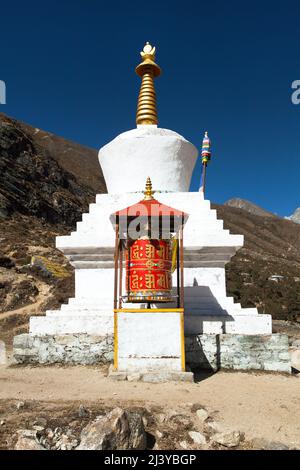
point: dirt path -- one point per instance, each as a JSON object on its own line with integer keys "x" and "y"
{"x": 14, "y": 321}
{"x": 261, "y": 405}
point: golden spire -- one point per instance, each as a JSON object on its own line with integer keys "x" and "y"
{"x": 147, "y": 70}
{"x": 148, "y": 193}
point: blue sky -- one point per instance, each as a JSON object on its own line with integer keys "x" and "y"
{"x": 227, "y": 67}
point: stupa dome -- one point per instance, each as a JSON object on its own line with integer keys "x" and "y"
{"x": 164, "y": 155}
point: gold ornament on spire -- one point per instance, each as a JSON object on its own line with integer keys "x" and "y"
{"x": 148, "y": 193}
{"x": 147, "y": 70}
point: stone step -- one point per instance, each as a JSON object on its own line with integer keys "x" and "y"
{"x": 68, "y": 324}
{"x": 199, "y": 307}
{"x": 233, "y": 324}
{"x": 81, "y": 311}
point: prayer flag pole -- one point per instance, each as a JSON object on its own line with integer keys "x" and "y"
{"x": 206, "y": 156}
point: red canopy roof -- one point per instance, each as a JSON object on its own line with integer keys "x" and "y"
{"x": 150, "y": 208}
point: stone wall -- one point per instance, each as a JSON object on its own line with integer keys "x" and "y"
{"x": 239, "y": 352}
{"x": 207, "y": 351}
{"x": 72, "y": 348}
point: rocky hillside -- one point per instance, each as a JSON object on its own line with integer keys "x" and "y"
{"x": 46, "y": 183}
{"x": 265, "y": 273}
{"x": 33, "y": 180}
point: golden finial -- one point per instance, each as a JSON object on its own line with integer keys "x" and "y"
{"x": 148, "y": 193}
{"x": 147, "y": 70}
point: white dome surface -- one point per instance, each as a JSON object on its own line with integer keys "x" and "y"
{"x": 165, "y": 156}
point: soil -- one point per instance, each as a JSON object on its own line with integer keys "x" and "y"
{"x": 263, "y": 406}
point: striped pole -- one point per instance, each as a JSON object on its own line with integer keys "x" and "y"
{"x": 205, "y": 156}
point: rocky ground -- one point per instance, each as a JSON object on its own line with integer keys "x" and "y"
{"x": 62, "y": 408}
{"x": 26, "y": 289}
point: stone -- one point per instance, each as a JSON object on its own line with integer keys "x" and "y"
{"x": 197, "y": 437}
{"x": 3, "y": 358}
{"x": 214, "y": 427}
{"x": 161, "y": 418}
{"x": 138, "y": 437}
{"x": 40, "y": 421}
{"x": 66, "y": 442}
{"x": 38, "y": 428}
{"x": 263, "y": 444}
{"x": 27, "y": 441}
{"x": 158, "y": 434}
{"x": 118, "y": 375}
{"x": 2, "y": 422}
{"x": 180, "y": 419}
{"x": 184, "y": 445}
{"x": 83, "y": 412}
{"x": 296, "y": 344}
{"x": 228, "y": 439}
{"x": 167, "y": 376}
{"x": 145, "y": 421}
{"x": 20, "y": 404}
{"x": 202, "y": 415}
{"x": 277, "y": 446}
{"x": 295, "y": 359}
{"x": 134, "y": 377}
{"x": 116, "y": 430}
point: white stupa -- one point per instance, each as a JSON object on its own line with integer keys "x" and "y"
{"x": 169, "y": 159}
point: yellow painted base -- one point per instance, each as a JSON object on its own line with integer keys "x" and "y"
{"x": 179, "y": 310}
{"x": 115, "y": 341}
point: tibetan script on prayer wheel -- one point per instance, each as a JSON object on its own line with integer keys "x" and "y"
{"x": 149, "y": 270}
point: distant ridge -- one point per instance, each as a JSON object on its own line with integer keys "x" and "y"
{"x": 295, "y": 217}
{"x": 249, "y": 207}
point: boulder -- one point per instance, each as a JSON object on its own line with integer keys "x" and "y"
{"x": 27, "y": 441}
{"x": 118, "y": 430}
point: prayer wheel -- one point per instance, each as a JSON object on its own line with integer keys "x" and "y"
{"x": 149, "y": 270}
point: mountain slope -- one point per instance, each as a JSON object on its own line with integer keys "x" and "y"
{"x": 33, "y": 179}
{"x": 272, "y": 248}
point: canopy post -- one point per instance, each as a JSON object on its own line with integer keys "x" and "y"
{"x": 116, "y": 266}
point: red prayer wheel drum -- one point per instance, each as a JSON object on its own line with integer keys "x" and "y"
{"x": 149, "y": 270}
